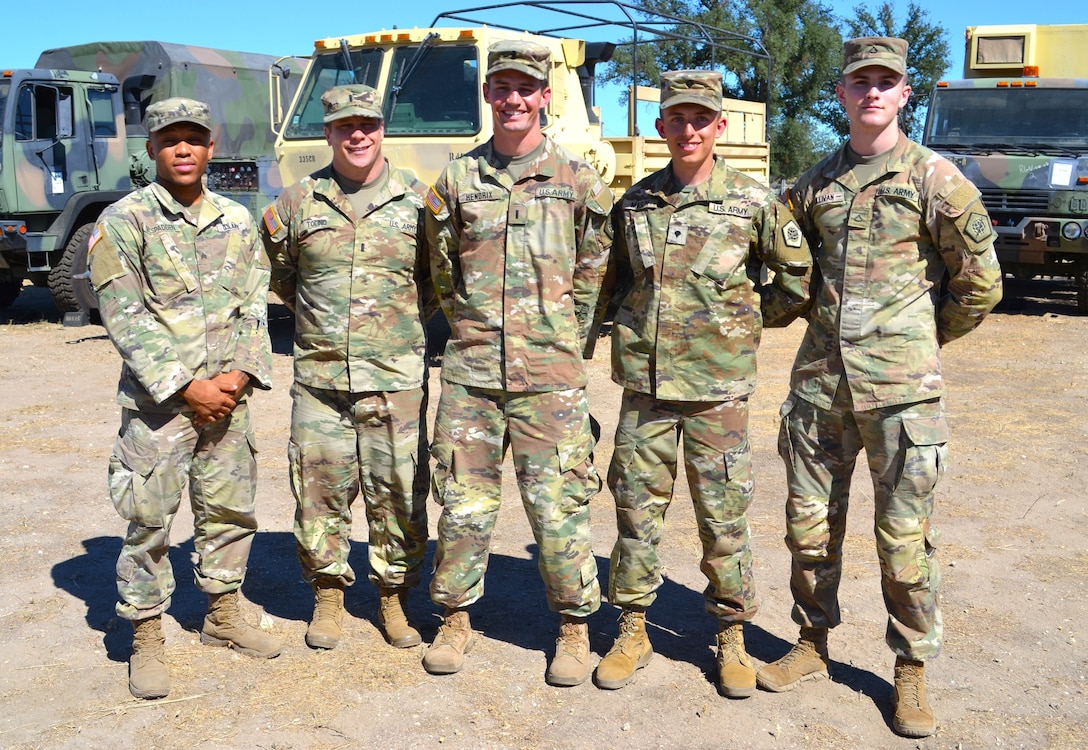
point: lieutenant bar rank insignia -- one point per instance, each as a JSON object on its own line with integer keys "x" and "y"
{"x": 791, "y": 234}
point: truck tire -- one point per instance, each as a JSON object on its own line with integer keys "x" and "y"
{"x": 70, "y": 289}
{"x": 9, "y": 290}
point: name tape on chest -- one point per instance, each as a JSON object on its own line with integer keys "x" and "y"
{"x": 478, "y": 196}
{"x": 830, "y": 199}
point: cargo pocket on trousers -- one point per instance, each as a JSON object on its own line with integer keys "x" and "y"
{"x": 131, "y": 466}
{"x": 740, "y": 485}
{"x": 785, "y": 445}
{"x": 575, "y": 461}
{"x": 442, "y": 453}
{"x": 925, "y": 455}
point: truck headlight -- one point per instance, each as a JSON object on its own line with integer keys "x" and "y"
{"x": 1071, "y": 230}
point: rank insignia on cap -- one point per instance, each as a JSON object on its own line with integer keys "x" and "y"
{"x": 791, "y": 234}
{"x": 272, "y": 220}
{"x": 434, "y": 202}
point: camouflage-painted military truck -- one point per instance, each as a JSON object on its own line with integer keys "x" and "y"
{"x": 73, "y": 142}
{"x": 1018, "y": 128}
{"x": 434, "y": 110}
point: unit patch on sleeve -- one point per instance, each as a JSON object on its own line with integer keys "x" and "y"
{"x": 977, "y": 227}
{"x": 791, "y": 234}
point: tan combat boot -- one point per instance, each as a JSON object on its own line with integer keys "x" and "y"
{"x": 393, "y": 618}
{"x": 630, "y": 652}
{"x": 148, "y": 676}
{"x": 805, "y": 661}
{"x": 325, "y": 625}
{"x": 446, "y": 654}
{"x": 224, "y": 626}
{"x": 570, "y": 666}
{"x": 913, "y": 715}
{"x": 736, "y": 675}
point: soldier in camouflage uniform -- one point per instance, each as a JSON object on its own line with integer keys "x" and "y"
{"x": 347, "y": 252}
{"x": 887, "y": 219}
{"x": 519, "y": 236}
{"x": 691, "y": 240}
{"x": 182, "y": 282}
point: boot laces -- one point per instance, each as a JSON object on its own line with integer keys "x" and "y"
{"x": 908, "y": 678}
{"x": 799, "y": 651}
{"x": 448, "y": 631}
{"x": 728, "y": 644}
{"x": 390, "y": 603}
{"x": 570, "y": 639}
{"x": 327, "y": 605}
{"x": 627, "y": 642}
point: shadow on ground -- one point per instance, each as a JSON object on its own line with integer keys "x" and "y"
{"x": 512, "y": 611}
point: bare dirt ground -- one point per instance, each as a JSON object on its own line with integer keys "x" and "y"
{"x": 1014, "y": 672}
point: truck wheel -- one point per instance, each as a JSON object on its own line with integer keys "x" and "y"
{"x": 9, "y": 290}
{"x": 68, "y": 284}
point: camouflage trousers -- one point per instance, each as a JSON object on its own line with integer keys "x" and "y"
{"x": 152, "y": 458}
{"x": 641, "y": 476}
{"x": 552, "y": 449}
{"x": 906, "y": 449}
{"x": 343, "y": 444}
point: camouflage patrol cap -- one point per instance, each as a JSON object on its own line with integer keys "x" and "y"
{"x": 527, "y": 57}
{"x": 885, "y": 51}
{"x": 702, "y": 87}
{"x": 177, "y": 109}
{"x": 355, "y": 100}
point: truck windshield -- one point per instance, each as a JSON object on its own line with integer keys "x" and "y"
{"x": 328, "y": 70}
{"x": 1037, "y": 117}
{"x": 441, "y": 96}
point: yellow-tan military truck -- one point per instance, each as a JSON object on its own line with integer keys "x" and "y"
{"x": 1017, "y": 126}
{"x": 431, "y": 81}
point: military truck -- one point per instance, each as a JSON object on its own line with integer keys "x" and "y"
{"x": 434, "y": 110}
{"x": 73, "y": 142}
{"x": 1017, "y": 126}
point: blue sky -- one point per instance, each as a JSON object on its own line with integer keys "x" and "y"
{"x": 288, "y": 28}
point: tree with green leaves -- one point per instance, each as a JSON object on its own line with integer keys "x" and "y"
{"x": 786, "y": 53}
{"x": 781, "y": 52}
{"x": 927, "y": 59}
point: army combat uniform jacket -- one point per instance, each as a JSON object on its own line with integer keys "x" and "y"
{"x": 358, "y": 285}
{"x": 686, "y": 264}
{"x": 518, "y": 301}
{"x": 879, "y": 317}
{"x": 183, "y": 294}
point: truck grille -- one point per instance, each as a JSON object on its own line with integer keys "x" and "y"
{"x": 1025, "y": 201}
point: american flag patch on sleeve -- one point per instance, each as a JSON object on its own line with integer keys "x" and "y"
{"x": 96, "y": 235}
{"x": 271, "y": 220}
{"x": 434, "y": 202}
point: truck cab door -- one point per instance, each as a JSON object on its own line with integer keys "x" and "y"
{"x": 57, "y": 158}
